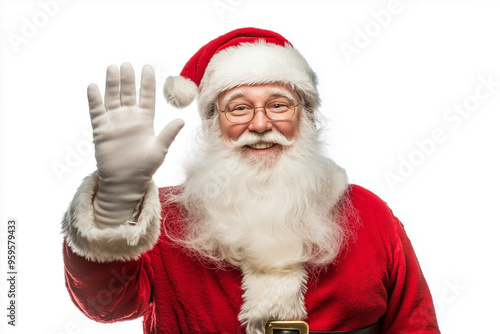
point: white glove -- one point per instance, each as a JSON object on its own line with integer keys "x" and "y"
{"x": 127, "y": 151}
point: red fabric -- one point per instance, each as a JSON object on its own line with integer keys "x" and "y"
{"x": 377, "y": 276}
{"x": 195, "y": 67}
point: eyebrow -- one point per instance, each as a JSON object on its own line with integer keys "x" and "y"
{"x": 233, "y": 95}
{"x": 272, "y": 91}
{"x": 280, "y": 92}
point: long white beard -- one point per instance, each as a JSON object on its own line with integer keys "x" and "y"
{"x": 269, "y": 216}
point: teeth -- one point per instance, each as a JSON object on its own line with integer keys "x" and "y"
{"x": 261, "y": 146}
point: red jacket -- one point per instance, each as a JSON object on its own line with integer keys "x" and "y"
{"x": 375, "y": 278}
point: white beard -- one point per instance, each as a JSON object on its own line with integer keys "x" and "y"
{"x": 269, "y": 216}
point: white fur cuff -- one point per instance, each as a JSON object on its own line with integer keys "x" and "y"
{"x": 123, "y": 242}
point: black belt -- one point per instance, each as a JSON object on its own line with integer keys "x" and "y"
{"x": 301, "y": 327}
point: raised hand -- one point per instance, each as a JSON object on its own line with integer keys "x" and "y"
{"x": 128, "y": 152}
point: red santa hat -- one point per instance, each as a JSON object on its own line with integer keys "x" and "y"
{"x": 246, "y": 56}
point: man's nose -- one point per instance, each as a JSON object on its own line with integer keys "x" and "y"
{"x": 260, "y": 122}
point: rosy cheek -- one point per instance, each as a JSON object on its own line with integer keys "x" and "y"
{"x": 235, "y": 131}
{"x": 288, "y": 129}
{"x": 232, "y": 131}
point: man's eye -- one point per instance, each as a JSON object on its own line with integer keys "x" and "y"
{"x": 241, "y": 108}
{"x": 277, "y": 107}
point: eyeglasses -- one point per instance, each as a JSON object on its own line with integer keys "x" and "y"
{"x": 276, "y": 110}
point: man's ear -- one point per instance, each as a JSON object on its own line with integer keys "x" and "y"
{"x": 213, "y": 111}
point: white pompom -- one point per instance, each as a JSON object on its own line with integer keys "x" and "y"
{"x": 179, "y": 91}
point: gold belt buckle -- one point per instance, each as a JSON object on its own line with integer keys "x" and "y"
{"x": 301, "y": 326}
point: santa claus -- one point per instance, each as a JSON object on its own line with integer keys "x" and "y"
{"x": 264, "y": 235}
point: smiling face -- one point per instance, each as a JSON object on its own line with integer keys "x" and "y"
{"x": 259, "y": 96}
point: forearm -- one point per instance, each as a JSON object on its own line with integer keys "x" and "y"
{"x": 107, "y": 269}
{"x": 123, "y": 242}
{"x": 108, "y": 292}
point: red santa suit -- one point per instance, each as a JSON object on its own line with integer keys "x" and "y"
{"x": 376, "y": 277}
{"x": 132, "y": 270}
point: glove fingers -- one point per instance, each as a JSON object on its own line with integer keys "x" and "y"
{"x": 96, "y": 107}
{"x": 169, "y": 132}
{"x": 112, "y": 94}
{"x": 147, "y": 95}
{"x": 127, "y": 83}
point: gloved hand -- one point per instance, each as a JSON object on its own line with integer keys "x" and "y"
{"x": 126, "y": 149}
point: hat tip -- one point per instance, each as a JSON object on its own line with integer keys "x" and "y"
{"x": 179, "y": 91}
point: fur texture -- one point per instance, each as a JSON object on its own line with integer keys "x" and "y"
{"x": 123, "y": 242}
{"x": 268, "y": 216}
{"x": 179, "y": 91}
{"x": 256, "y": 63}
{"x": 272, "y": 295}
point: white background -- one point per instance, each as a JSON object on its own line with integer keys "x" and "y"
{"x": 423, "y": 59}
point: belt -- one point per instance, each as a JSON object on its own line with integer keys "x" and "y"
{"x": 301, "y": 327}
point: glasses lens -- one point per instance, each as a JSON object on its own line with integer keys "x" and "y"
{"x": 280, "y": 109}
{"x": 238, "y": 113}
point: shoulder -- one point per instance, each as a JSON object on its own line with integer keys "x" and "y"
{"x": 362, "y": 198}
{"x": 170, "y": 208}
{"x": 172, "y": 214}
{"x": 167, "y": 197}
{"x": 167, "y": 192}
{"x": 372, "y": 212}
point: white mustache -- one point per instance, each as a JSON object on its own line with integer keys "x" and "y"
{"x": 269, "y": 137}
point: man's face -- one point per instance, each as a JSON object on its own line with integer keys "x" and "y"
{"x": 259, "y": 96}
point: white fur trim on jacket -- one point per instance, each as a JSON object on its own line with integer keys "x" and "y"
{"x": 269, "y": 295}
{"x": 256, "y": 63}
{"x": 124, "y": 242}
